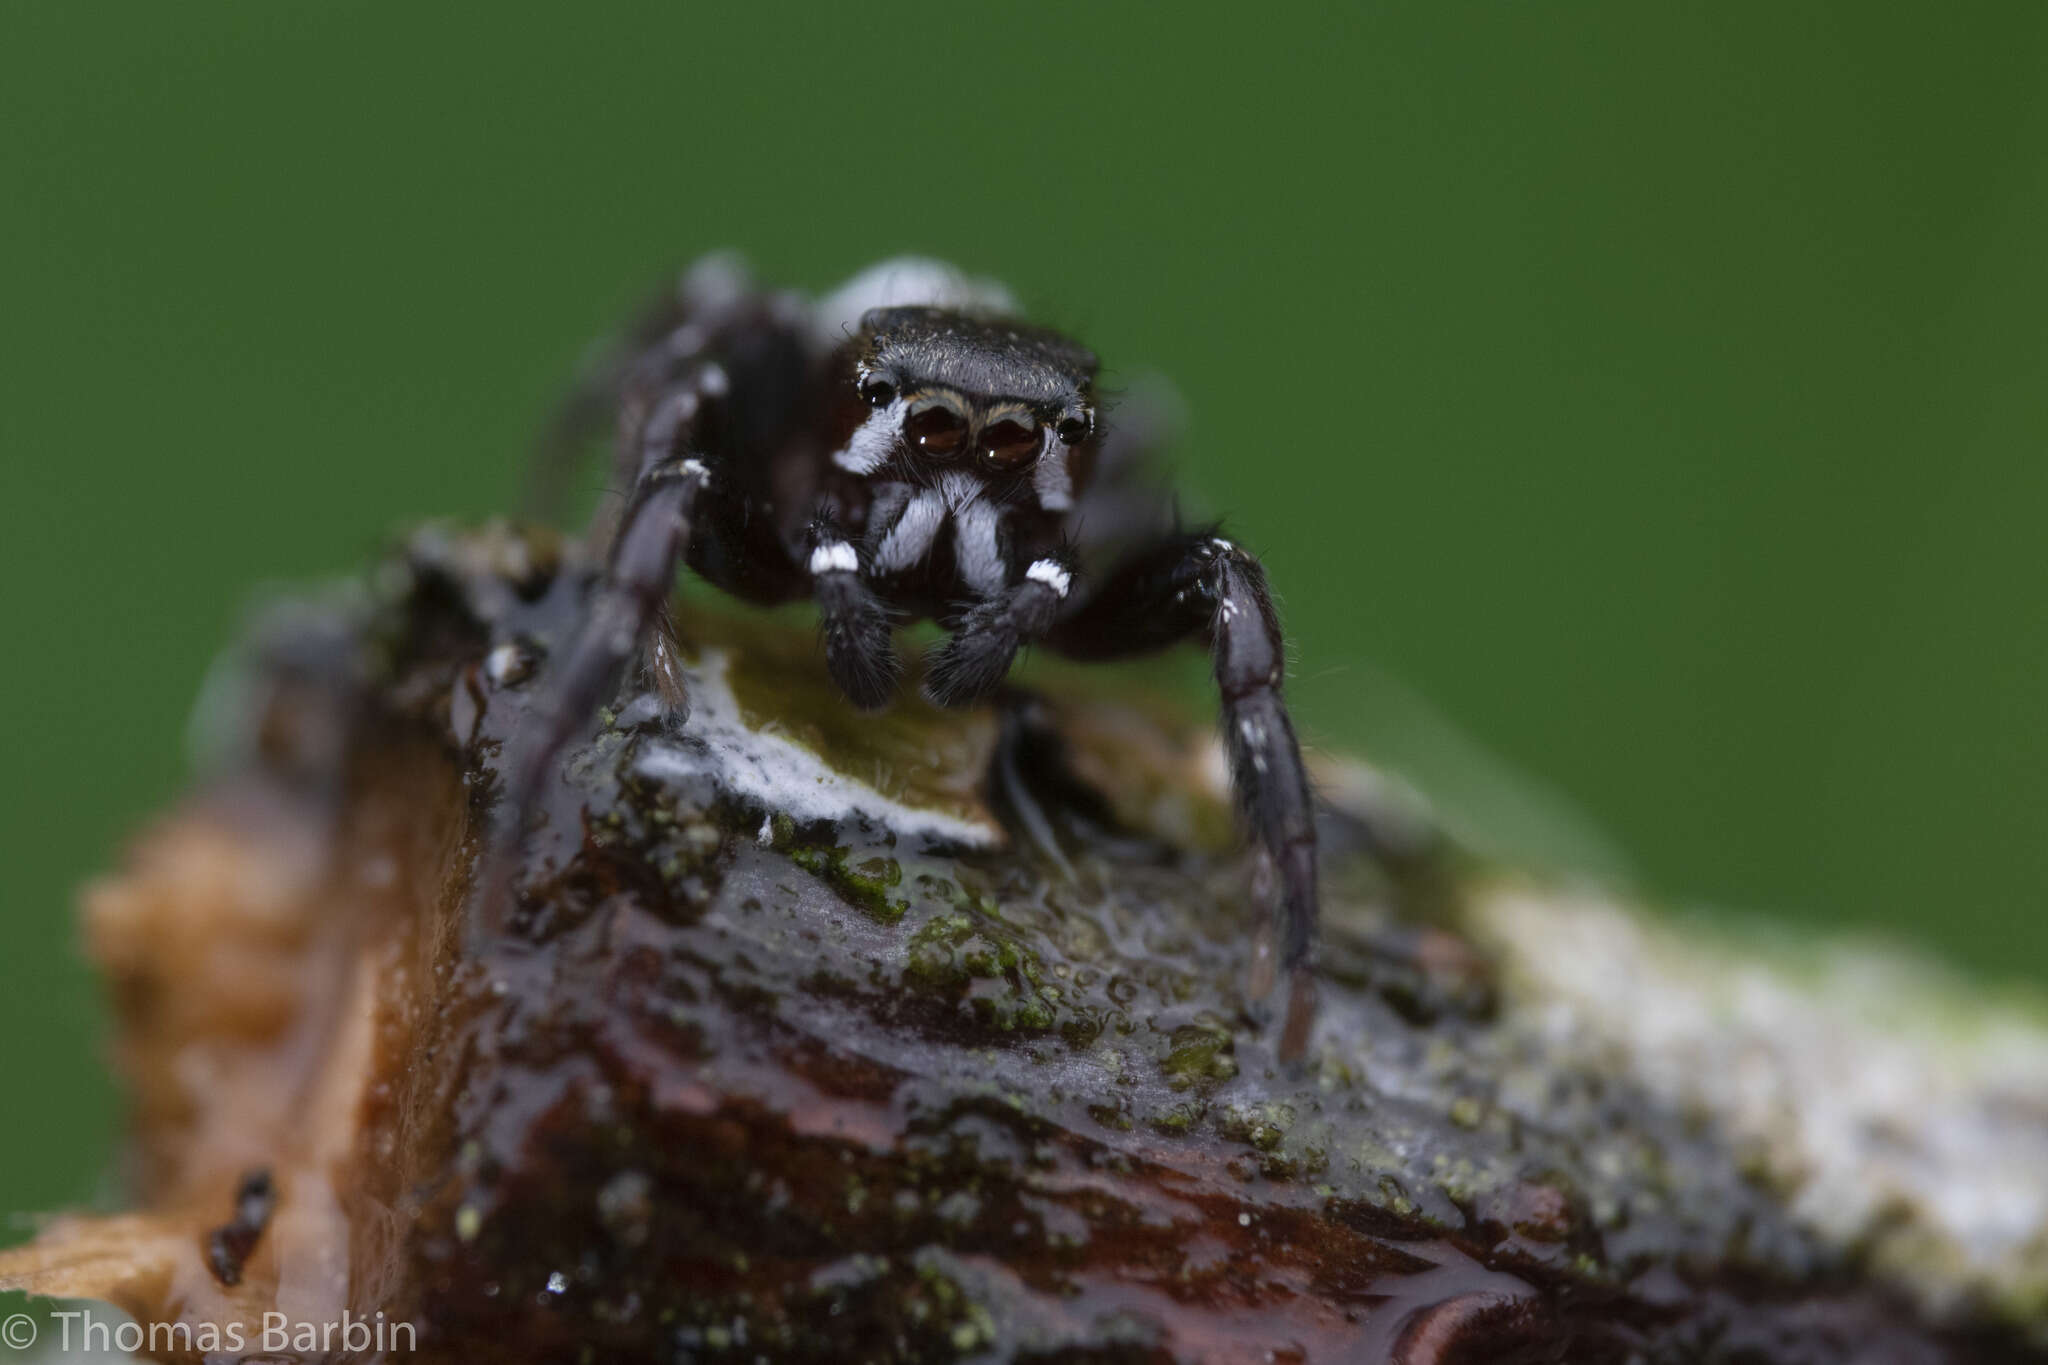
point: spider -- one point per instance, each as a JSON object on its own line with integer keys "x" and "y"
{"x": 909, "y": 448}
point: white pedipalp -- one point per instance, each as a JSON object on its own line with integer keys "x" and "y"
{"x": 977, "y": 532}
{"x": 874, "y": 440}
{"x": 910, "y": 539}
{"x": 977, "y": 548}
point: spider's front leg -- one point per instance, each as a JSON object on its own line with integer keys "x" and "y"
{"x": 1201, "y": 585}
{"x": 854, "y": 625}
{"x": 625, "y": 376}
{"x": 640, "y": 574}
{"x": 974, "y": 661}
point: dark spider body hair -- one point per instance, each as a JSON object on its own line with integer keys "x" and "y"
{"x": 908, "y": 449}
{"x": 981, "y": 355}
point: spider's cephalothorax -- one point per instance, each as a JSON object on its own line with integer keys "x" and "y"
{"x": 902, "y": 449}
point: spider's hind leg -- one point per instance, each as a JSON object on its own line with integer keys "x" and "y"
{"x": 1198, "y": 584}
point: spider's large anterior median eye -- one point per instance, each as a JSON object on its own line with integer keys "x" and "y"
{"x": 1073, "y": 430}
{"x": 937, "y": 431}
{"x": 877, "y": 391}
{"x": 1009, "y": 444}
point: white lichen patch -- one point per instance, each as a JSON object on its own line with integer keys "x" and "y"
{"x": 784, "y": 776}
{"x": 1900, "y": 1110}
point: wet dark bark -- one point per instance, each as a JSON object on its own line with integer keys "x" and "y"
{"x": 736, "y": 1080}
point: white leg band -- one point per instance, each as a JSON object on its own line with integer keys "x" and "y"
{"x": 1053, "y": 574}
{"x": 834, "y": 557}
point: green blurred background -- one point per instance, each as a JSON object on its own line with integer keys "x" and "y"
{"x": 1641, "y": 406}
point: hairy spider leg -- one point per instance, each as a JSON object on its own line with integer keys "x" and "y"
{"x": 628, "y": 610}
{"x": 973, "y": 661}
{"x": 1198, "y": 584}
{"x": 618, "y": 381}
{"x": 611, "y": 393}
{"x": 853, "y": 624}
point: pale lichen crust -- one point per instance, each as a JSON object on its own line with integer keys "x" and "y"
{"x": 1898, "y": 1111}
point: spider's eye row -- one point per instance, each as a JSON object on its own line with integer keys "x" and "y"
{"x": 937, "y": 431}
{"x": 1073, "y": 430}
{"x": 878, "y": 392}
{"x": 1010, "y": 444}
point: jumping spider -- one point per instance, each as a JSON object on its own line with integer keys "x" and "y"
{"x": 905, "y": 449}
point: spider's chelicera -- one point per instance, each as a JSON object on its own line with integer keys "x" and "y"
{"x": 907, "y": 448}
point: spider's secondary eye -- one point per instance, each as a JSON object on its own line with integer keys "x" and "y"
{"x": 878, "y": 392}
{"x": 1009, "y": 444}
{"x": 938, "y": 431}
{"x": 1073, "y": 430}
